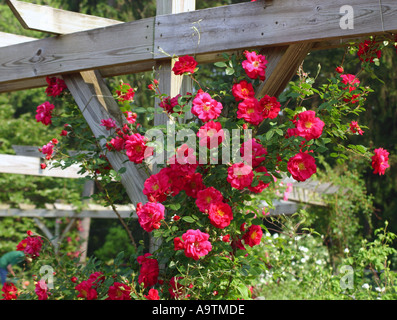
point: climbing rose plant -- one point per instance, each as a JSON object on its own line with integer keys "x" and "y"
{"x": 207, "y": 215}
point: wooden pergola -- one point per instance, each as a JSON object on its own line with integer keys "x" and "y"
{"x": 84, "y": 50}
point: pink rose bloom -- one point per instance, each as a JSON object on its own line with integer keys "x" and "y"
{"x": 351, "y": 81}
{"x": 185, "y": 64}
{"x": 135, "y": 147}
{"x": 48, "y": 150}
{"x": 31, "y": 246}
{"x": 380, "y": 161}
{"x": 253, "y": 236}
{"x": 44, "y": 113}
{"x": 119, "y": 291}
{"x": 206, "y": 196}
{"x": 149, "y": 272}
{"x": 254, "y": 65}
{"x": 126, "y": 92}
{"x": 355, "y": 128}
{"x": 261, "y": 185}
{"x": 108, "y": 123}
{"x": 150, "y": 215}
{"x": 153, "y": 295}
{"x": 206, "y": 108}
{"x": 270, "y": 107}
{"x": 220, "y": 214}
{"x": 194, "y": 184}
{"x": 41, "y": 290}
{"x": 195, "y": 244}
{"x": 243, "y": 90}
{"x": 253, "y": 152}
{"x": 302, "y": 166}
{"x": 117, "y": 143}
{"x": 240, "y": 175}
{"x": 307, "y": 126}
{"x": 55, "y": 86}
{"x": 168, "y": 104}
{"x": 86, "y": 290}
{"x": 251, "y": 111}
{"x": 183, "y": 155}
{"x": 130, "y": 116}
{"x": 156, "y": 187}
{"x": 211, "y": 134}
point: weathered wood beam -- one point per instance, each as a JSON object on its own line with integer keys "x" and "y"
{"x": 96, "y": 103}
{"x": 28, "y": 165}
{"x": 92, "y": 211}
{"x": 8, "y": 39}
{"x": 201, "y": 33}
{"x": 56, "y": 21}
{"x": 282, "y": 66}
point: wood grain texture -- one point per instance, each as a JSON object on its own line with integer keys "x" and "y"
{"x": 96, "y": 103}
{"x": 55, "y": 21}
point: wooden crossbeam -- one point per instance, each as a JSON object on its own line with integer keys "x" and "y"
{"x": 8, "y": 39}
{"x": 59, "y": 211}
{"x": 96, "y": 103}
{"x": 56, "y": 21}
{"x": 28, "y": 165}
{"x": 203, "y": 33}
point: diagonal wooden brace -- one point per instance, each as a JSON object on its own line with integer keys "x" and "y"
{"x": 96, "y": 102}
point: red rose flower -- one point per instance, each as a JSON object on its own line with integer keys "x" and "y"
{"x": 150, "y": 215}
{"x": 220, "y": 214}
{"x": 44, "y": 113}
{"x": 206, "y": 108}
{"x": 119, "y": 291}
{"x": 211, "y": 134}
{"x": 185, "y": 64}
{"x": 153, "y": 295}
{"x": 240, "y": 175}
{"x": 254, "y": 65}
{"x": 253, "y": 236}
{"x": 270, "y": 107}
{"x": 149, "y": 272}
{"x": 251, "y": 111}
{"x": 301, "y": 166}
{"x": 243, "y": 90}
{"x": 380, "y": 161}
{"x": 206, "y": 196}
{"x": 195, "y": 244}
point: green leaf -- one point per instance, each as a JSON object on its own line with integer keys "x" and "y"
{"x": 220, "y": 64}
{"x": 188, "y": 219}
{"x": 269, "y": 134}
{"x": 229, "y": 71}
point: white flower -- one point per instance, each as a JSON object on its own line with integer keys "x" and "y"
{"x": 319, "y": 261}
{"x": 346, "y": 250}
{"x": 303, "y": 260}
{"x": 365, "y": 286}
{"x": 302, "y": 248}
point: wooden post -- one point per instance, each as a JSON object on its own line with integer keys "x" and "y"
{"x": 169, "y": 83}
{"x": 88, "y": 190}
